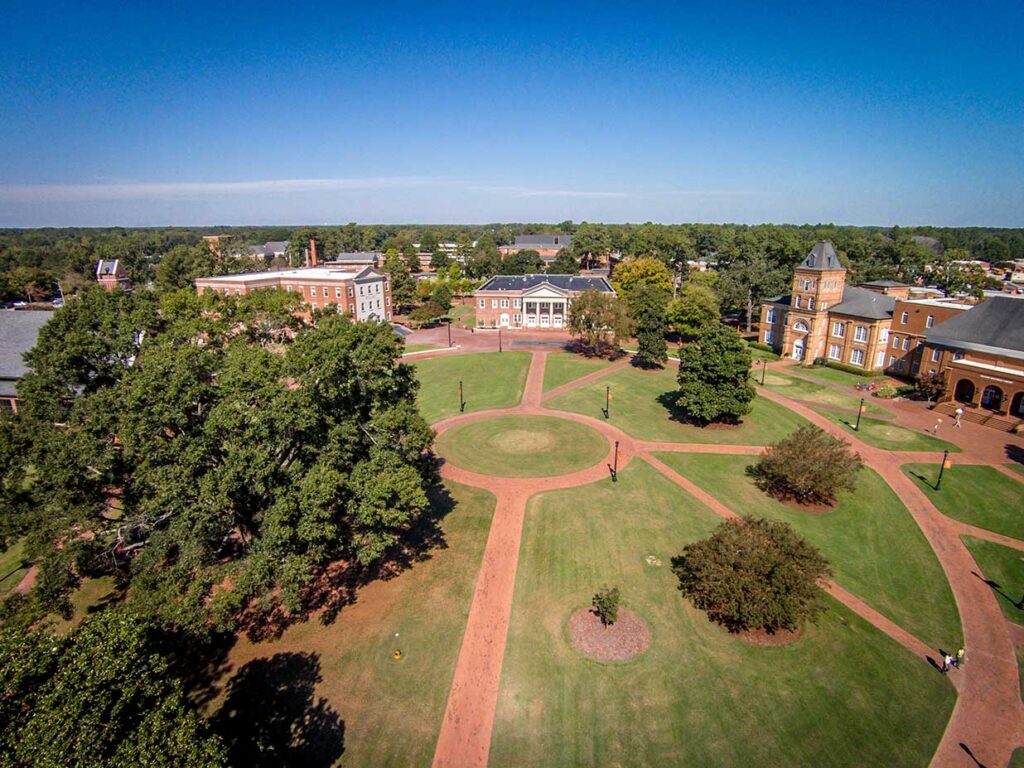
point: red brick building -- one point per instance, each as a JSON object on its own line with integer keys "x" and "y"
{"x": 111, "y": 275}
{"x": 532, "y": 301}
{"x": 365, "y": 294}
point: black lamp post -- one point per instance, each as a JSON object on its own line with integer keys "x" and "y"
{"x": 860, "y": 410}
{"x": 764, "y": 367}
{"x": 499, "y": 339}
{"x": 945, "y": 460}
{"x": 462, "y": 403}
{"x": 607, "y": 401}
{"x": 615, "y": 463}
{"x": 449, "y": 332}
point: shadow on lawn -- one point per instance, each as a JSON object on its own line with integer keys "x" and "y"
{"x": 995, "y": 586}
{"x": 667, "y": 400}
{"x": 338, "y": 585}
{"x": 271, "y": 716}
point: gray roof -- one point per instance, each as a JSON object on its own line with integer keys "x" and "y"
{"x": 563, "y": 282}
{"x": 860, "y": 302}
{"x": 995, "y": 325}
{"x": 269, "y": 248}
{"x": 357, "y": 256}
{"x": 543, "y": 241}
{"x": 106, "y": 267}
{"x": 19, "y": 330}
{"x": 822, "y": 256}
{"x": 887, "y": 284}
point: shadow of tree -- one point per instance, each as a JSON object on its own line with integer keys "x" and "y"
{"x": 271, "y": 716}
{"x": 1015, "y": 453}
{"x": 667, "y": 400}
{"x": 337, "y": 585}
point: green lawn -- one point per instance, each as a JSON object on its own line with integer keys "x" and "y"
{"x": 490, "y": 380}
{"x": 801, "y": 389}
{"x": 12, "y": 567}
{"x": 640, "y": 407}
{"x": 761, "y": 354}
{"x": 838, "y": 377}
{"x": 419, "y": 347}
{"x": 1019, "y": 468}
{"x": 522, "y": 446}
{"x": 1005, "y": 567}
{"x": 890, "y": 437}
{"x": 563, "y": 367}
{"x": 974, "y": 494}
{"x": 843, "y": 694}
{"x": 875, "y": 547}
{"x": 91, "y": 595}
{"x": 392, "y": 710}
{"x": 463, "y": 315}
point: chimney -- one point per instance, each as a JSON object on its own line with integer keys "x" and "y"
{"x": 312, "y": 251}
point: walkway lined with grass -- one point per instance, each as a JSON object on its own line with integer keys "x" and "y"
{"x": 988, "y": 714}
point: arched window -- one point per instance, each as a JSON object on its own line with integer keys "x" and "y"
{"x": 801, "y": 326}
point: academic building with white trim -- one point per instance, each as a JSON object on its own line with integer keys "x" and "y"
{"x": 538, "y": 302}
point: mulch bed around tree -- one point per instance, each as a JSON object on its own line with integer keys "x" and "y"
{"x": 770, "y": 639}
{"x": 627, "y": 637}
{"x": 813, "y": 509}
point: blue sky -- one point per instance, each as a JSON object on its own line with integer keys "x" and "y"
{"x": 180, "y": 113}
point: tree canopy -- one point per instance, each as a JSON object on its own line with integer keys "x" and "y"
{"x": 809, "y": 466}
{"x": 713, "y": 377}
{"x": 647, "y": 305}
{"x": 599, "y": 320}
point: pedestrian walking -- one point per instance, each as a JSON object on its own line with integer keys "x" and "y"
{"x": 960, "y": 658}
{"x": 947, "y": 662}
{"x": 935, "y": 429}
{"x": 956, "y": 421}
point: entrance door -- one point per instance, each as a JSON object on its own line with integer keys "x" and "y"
{"x": 798, "y": 349}
{"x": 558, "y": 321}
{"x": 991, "y": 397}
{"x": 531, "y": 321}
{"x": 504, "y": 319}
{"x": 545, "y": 321}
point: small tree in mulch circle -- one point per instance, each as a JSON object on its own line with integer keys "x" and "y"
{"x": 606, "y": 605}
{"x": 808, "y": 467}
{"x": 753, "y": 575}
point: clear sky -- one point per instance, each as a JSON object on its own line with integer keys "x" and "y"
{"x": 153, "y": 113}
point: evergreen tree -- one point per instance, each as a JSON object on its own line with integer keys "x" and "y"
{"x": 647, "y": 310}
{"x": 713, "y": 377}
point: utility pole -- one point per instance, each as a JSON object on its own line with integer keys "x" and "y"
{"x": 945, "y": 462}
{"x": 462, "y": 403}
{"x": 860, "y": 410}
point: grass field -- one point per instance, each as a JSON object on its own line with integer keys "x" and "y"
{"x": 890, "y": 437}
{"x": 391, "y": 709}
{"x": 463, "y": 316}
{"x": 563, "y": 367}
{"x": 12, "y": 567}
{"x": 976, "y": 495}
{"x": 419, "y": 347}
{"x": 1004, "y": 567}
{"x": 841, "y": 695}
{"x": 641, "y": 407}
{"x": 875, "y": 547}
{"x": 490, "y": 380}
{"x": 522, "y": 446}
{"x": 89, "y": 597}
{"x": 801, "y": 389}
{"x": 1019, "y": 468}
{"x": 761, "y": 354}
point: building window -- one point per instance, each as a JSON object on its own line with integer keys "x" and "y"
{"x": 958, "y": 355}
{"x": 770, "y": 315}
{"x": 935, "y": 355}
{"x": 517, "y": 318}
{"x": 769, "y": 337}
{"x": 834, "y": 351}
{"x": 906, "y": 344}
{"x": 857, "y": 357}
{"x": 860, "y": 333}
{"x": 494, "y": 303}
{"x": 504, "y": 303}
{"x": 810, "y": 302}
{"x": 880, "y": 358}
{"x": 796, "y": 302}
{"x": 892, "y": 360}
{"x": 839, "y": 330}
{"x": 901, "y": 364}
{"x": 929, "y": 321}
{"x": 895, "y": 342}
{"x": 807, "y": 284}
{"x": 517, "y": 303}
{"x": 482, "y": 303}
{"x": 904, "y": 317}
{"x": 387, "y": 301}
{"x": 351, "y": 292}
{"x": 824, "y": 305}
{"x": 312, "y": 292}
{"x": 883, "y": 336}
{"x": 337, "y": 293}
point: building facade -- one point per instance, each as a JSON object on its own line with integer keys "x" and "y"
{"x": 911, "y": 321}
{"x": 539, "y": 302}
{"x": 364, "y": 294}
{"x": 111, "y": 275}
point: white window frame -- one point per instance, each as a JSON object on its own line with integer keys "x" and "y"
{"x": 904, "y": 317}
{"x": 895, "y": 342}
{"x": 796, "y": 302}
{"x": 839, "y": 330}
{"x": 810, "y": 302}
{"x": 929, "y": 321}
{"x": 860, "y": 333}
{"x": 835, "y": 352}
{"x": 494, "y": 303}
{"x": 517, "y": 303}
{"x": 906, "y": 343}
{"x": 935, "y": 355}
{"x": 883, "y": 336}
{"x": 337, "y": 293}
{"x": 312, "y": 291}
{"x": 504, "y": 303}
{"x": 880, "y": 358}
{"x": 768, "y": 336}
{"x": 483, "y": 303}
{"x": 854, "y": 353}
{"x": 769, "y": 316}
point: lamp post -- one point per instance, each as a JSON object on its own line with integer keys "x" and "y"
{"x": 499, "y": 339}
{"x": 945, "y": 463}
{"x": 615, "y": 463}
{"x": 607, "y": 401}
{"x": 764, "y": 367}
{"x": 462, "y": 403}
{"x": 860, "y": 410}
{"x": 449, "y": 332}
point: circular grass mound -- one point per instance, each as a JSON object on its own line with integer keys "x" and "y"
{"x": 522, "y": 446}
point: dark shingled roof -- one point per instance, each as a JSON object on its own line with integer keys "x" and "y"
{"x": 360, "y": 256}
{"x": 887, "y": 284}
{"x": 860, "y": 302}
{"x": 105, "y": 267}
{"x": 564, "y": 282}
{"x": 822, "y": 256}
{"x": 996, "y": 325}
{"x": 543, "y": 241}
{"x": 18, "y": 333}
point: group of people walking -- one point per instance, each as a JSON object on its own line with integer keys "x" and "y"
{"x": 949, "y": 661}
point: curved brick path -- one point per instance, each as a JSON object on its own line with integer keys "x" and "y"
{"x": 988, "y": 717}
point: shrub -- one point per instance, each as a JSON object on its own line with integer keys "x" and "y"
{"x": 929, "y": 387}
{"x": 754, "y": 574}
{"x": 426, "y": 314}
{"x": 809, "y": 466}
{"x": 761, "y": 346}
{"x": 606, "y": 605}
{"x": 886, "y": 392}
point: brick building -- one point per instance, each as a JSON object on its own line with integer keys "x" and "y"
{"x": 19, "y": 331}
{"x": 111, "y": 275}
{"x": 532, "y": 301}
{"x": 911, "y": 321}
{"x": 365, "y": 294}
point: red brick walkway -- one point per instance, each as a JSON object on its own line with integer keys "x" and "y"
{"x": 988, "y": 717}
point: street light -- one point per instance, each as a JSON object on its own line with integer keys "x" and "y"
{"x": 860, "y": 410}
{"x": 607, "y": 401}
{"x": 462, "y": 403}
{"x": 945, "y": 463}
{"x": 499, "y": 339}
{"x": 449, "y": 332}
{"x": 615, "y": 464}
{"x": 764, "y": 367}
